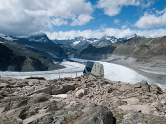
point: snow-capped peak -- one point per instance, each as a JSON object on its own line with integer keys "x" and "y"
{"x": 39, "y": 38}
{"x": 76, "y": 42}
{"x": 132, "y": 36}
{"x": 108, "y": 37}
{"x": 80, "y": 38}
{"x": 8, "y": 38}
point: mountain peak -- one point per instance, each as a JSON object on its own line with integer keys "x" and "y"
{"x": 108, "y": 37}
{"x": 39, "y": 38}
{"x": 79, "y": 38}
{"x": 132, "y": 36}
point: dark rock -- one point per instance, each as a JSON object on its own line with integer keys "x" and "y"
{"x": 38, "y": 78}
{"x": 1, "y": 97}
{"x": 37, "y": 98}
{"x": 20, "y": 103}
{"x": 98, "y": 115}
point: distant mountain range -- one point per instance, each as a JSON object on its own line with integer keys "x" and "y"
{"x": 41, "y": 43}
{"x": 137, "y": 47}
{"x": 81, "y": 43}
{"x": 40, "y": 53}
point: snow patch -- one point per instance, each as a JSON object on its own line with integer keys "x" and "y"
{"x": 60, "y": 95}
{"x": 8, "y": 38}
{"x": 76, "y": 42}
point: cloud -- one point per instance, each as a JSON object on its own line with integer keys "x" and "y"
{"x": 124, "y": 26}
{"x": 81, "y": 20}
{"x": 146, "y": 3}
{"x": 116, "y": 21}
{"x": 119, "y": 33}
{"x": 152, "y": 20}
{"x": 113, "y": 7}
{"x": 59, "y": 21}
{"x": 75, "y": 33}
{"x": 26, "y": 17}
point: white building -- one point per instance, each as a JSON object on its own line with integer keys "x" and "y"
{"x": 94, "y": 69}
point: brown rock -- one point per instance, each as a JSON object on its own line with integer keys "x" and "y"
{"x": 63, "y": 89}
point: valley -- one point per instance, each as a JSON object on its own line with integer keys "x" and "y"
{"x": 145, "y": 56}
{"x": 82, "y": 62}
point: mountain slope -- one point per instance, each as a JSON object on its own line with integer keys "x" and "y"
{"x": 42, "y": 43}
{"x": 80, "y": 43}
{"x": 137, "y": 47}
{"x": 14, "y": 57}
{"x": 144, "y": 48}
{"x": 92, "y": 52}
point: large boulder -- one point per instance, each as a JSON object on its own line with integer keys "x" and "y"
{"x": 46, "y": 90}
{"x": 97, "y": 115}
{"x": 37, "y": 98}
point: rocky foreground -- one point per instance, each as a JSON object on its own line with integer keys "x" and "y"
{"x": 82, "y": 101}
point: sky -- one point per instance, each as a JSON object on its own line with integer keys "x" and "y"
{"x": 61, "y": 19}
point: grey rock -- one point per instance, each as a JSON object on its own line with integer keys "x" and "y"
{"x": 133, "y": 118}
{"x": 98, "y": 115}
{"x": 139, "y": 118}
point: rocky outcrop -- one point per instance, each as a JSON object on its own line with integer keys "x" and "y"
{"x": 80, "y": 100}
{"x": 98, "y": 115}
{"x": 139, "y": 118}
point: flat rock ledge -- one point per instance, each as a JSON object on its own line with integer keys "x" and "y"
{"x": 80, "y": 101}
